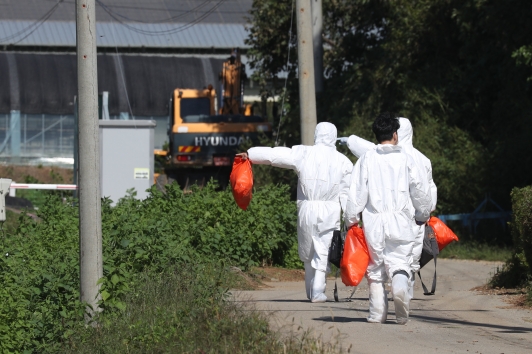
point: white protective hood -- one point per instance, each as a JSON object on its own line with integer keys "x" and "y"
{"x": 325, "y": 134}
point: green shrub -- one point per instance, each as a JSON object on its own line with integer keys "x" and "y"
{"x": 522, "y": 223}
{"x": 517, "y": 271}
{"x": 39, "y": 281}
{"x": 513, "y": 273}
{"x": 39, "y": 269}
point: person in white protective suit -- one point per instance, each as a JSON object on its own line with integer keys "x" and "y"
{"x": 324, "y": 178}
{"x": 359, "y": 147}
{"x": 386, "y": 187}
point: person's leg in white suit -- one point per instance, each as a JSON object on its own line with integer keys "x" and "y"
{"x": 376, "y": 276}
{"x": 419, "y": 231}
{"x": 378, "y": 302}
{"x": 398, "y": 262}
{"x": 320, "y": 263}
{"x": 401, "y": 296}
{"x": 318, "y": 287}
{"x": 309, "y": 278}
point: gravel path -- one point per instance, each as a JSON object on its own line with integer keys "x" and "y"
{"x": 455, "y": 320}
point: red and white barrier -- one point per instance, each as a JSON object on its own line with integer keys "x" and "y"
{"x": 15, "y": 186}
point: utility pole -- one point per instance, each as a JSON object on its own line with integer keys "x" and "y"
{"x": 307, "y": 92}
{"x": 317, "y": 30}
{"x": 90, "y": 223}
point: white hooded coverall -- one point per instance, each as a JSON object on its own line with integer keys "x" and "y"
{"x": 387, "y": 189}
{"x": 359, "y": 147}
{"x": 324, "y": 179}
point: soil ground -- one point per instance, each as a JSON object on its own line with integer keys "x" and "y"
{"x": 515, "y": 297}
{"x": 44, "y": 174}
{"x": 459, "y": 318}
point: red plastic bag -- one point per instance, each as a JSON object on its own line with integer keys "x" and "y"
{"x": 355, "y": 258}
{"x": 444, "y": 235}
{"x": 242, "y": 182}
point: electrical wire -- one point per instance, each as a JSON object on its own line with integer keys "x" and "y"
{"x": 163, "y": 32}
{"x": 169, "y": 19}
{"x": 143, "y": 8}
{"x": 169, "y": 31}
{"x": 33, "y": 27}
{"x": 286, "y": 79}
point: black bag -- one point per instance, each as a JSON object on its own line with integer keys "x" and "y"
{"x": 430, "y": 251}
{"x": 336, "y": 249}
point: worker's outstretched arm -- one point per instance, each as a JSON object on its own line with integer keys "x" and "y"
{"x": 345, "y": 184}
{"x": 278, "y": 156}
{"x": 359, "y": 146}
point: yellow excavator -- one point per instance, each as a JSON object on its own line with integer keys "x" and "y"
{"x": 203, "y": 139}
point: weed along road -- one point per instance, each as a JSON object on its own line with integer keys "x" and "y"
{"x": 455, "y": 320}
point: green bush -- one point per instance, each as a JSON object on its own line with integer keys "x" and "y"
{"x": 517, "y": 271}
{"x": 39, "y": 280}
{"x": 522, "y": 223}
{"x": 39, "y": 266}
{"x": 513, "y": 274}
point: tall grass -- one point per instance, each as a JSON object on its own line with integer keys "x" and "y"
{"x": 188, "y": 309}
{"x": 475, "y": 251}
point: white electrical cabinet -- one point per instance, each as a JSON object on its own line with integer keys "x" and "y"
{"x": 126, "y": 157}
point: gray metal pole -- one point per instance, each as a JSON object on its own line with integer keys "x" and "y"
{"x": 317, "y": 29}
{"x": 307, "y": 92}
{"x": 90, "y": 223}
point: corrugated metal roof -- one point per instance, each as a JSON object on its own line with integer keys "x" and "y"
{"x": 147, "y": 11}
{"x": 164, "y": 35}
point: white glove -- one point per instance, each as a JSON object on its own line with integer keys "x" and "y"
{"x": 342, "y": 140}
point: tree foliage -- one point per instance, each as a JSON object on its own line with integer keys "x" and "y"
{"x": 456, "y": 68}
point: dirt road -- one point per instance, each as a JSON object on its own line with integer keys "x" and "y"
{"x": 455, "y": 320}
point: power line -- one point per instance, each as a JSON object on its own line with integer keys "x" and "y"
{"x": 170, "y": 19}
{"x": 164, "y": 32}
{"x": 155, "y": 9}
{"x": 33, "y": 27}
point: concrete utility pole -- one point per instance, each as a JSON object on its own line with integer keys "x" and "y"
{"x": 90, "y": 223}
{"x": 307, "y": 92}
{"x": 317, "y": 30}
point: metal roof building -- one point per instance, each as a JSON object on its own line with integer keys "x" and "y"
{"x": 164, "y": 24}
{"x": 62, "y": 34}
{"x": 168, "y": 43}
{"x": 131, "y": 11}
{"x": 146, "y": 48}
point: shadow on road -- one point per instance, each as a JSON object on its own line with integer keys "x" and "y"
{"x": 503, "y": 329}
{"x": 340, "y": 319}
